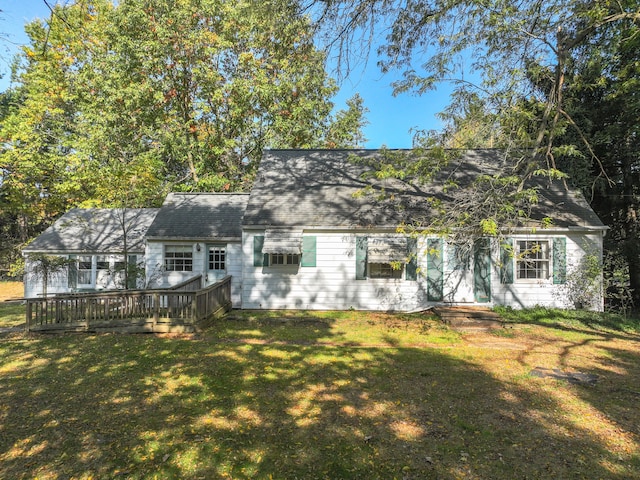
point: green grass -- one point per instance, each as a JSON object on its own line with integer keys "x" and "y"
{"x": 314, "y": 395}
{"x": 11, "y": 315}
{"x": 346, "y": 328}
{"x": 579, "y": 319}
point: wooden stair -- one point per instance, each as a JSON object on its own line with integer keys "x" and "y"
{"x": 469, "y": 318}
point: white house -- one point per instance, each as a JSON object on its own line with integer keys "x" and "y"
{"x": 98, "y": 243}
{"x": 312, "y": 240}
{"x": 309, "y": 237}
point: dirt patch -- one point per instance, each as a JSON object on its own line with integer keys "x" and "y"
{"x": 487, "y": 340}
{"x": 558, "y": 374}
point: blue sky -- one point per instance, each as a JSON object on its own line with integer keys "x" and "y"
{"x": 390, "y": 118}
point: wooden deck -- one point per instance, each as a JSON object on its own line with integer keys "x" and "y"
{"x": 183, "y": 308}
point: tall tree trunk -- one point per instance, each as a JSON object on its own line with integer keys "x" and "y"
{"x": 631, "y": 227}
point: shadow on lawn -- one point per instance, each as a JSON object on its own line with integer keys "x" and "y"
{"x": 579, "y": 321}
{"x": 138, "y": 406}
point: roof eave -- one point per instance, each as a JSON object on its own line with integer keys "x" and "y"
{"x": 193, "y": 239}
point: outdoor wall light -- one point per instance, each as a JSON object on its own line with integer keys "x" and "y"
{"x": 197, "y": 247}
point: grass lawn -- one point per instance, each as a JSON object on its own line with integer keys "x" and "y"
{"x": 11, "y": 314}
{"x": 324, "y": 395}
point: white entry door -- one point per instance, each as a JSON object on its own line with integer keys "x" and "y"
{"x": 216, "y": 263}
{"x": 458, "y": 274}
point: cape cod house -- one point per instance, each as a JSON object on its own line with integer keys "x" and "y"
{"x": 309, "y": 237}
{"x": 313, "y": 240}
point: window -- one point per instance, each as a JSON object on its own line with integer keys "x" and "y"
{"x": 217, "y": 258}
{"x": 284, "y": 259}
{"x": 386, "y": 257}
{"x": 532, "y": 260}
{"x": 119, "y": 265}
{"x": 384, "y": 270}
{"x": 100, "y": 272}
{"x": 102, "y": 262}
{"x": 135, "y": 270}
{"x": 84, "y": 270}
{"x": 178, "y": 258}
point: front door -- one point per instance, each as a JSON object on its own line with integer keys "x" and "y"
{"x": 458, "y": 276}
{"x": 216, "y": 263}
{"x": 482, "y": 270}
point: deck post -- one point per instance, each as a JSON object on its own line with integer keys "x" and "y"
{"x": 156, "y": 310}
{"x": 29, "y": 312}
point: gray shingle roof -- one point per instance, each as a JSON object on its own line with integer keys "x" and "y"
{"x": 95, "y": 230}
{"x": 296, "y": 188}
{"x": 200, "y": 216}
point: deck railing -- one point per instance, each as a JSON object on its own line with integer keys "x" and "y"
{"x": 191, "y": 285}
{"x": 183, "y": 308}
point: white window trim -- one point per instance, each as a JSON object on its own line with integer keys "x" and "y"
{"x": 549, "y": 261}
{"x": 214, "y": 246}
{"x": 187, "y": 249}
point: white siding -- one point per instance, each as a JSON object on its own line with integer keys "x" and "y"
{"x": 33, "y": 284}
{"x": 530, "y": 293}
{"x": 157, "y": 277}
{"x": 331, "y": 284}
{"x": 58, "y": 282}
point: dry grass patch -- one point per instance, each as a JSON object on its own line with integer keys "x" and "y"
{"x": 11, "y": 290}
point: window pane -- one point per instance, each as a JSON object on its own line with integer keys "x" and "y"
{"x": 84, "y": 270}
{"x": 383, "y": 270}
{"x": 102, "y": 262}
{"x": 533, "y": 259}
{"x": 119, "y": 264}
{"x": 84, "y": 263}
{"x": 285, "y": 259}
{"x": 459, "y": 257}
{"x": 217, "y": 258}
{"x": 178, "y": 258}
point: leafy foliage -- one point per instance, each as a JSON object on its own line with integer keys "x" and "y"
{"x": 44, "y": 268}
{"x": 116, "y": 105}
{"x": 603, "y": 100}
{"x": 584, "y": 282}
{"x": 557, "y": 80}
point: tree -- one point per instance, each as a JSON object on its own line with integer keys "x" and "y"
{"x": 603, "y": 100}
{"x": 115, "y": 105}
{"x": 345, "y": 131}
{"x": 41, "y": 167}
{"x": 506, "y": 45}
{"x": 216, "y": 82}
{"x": 45, "y": 268}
